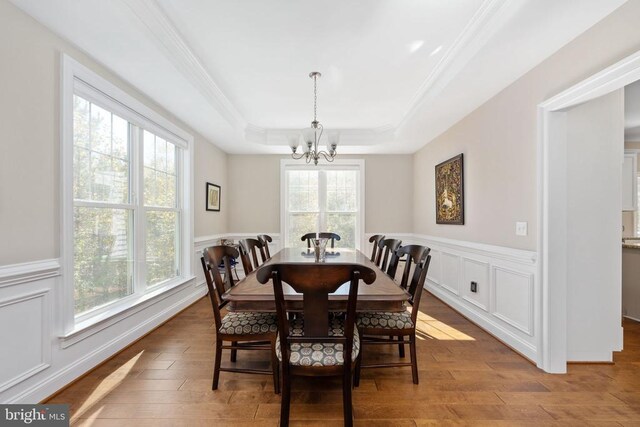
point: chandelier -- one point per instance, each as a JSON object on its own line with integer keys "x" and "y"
{"x": 311, "y": 136}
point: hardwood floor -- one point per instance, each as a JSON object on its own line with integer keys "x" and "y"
{"x": 466, "y": 378}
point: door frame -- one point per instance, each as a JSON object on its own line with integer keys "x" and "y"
{"x": 552, "y": 246}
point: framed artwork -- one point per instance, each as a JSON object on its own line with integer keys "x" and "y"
{"x": 213, "y": 197}
{"x": 450, "y": 191}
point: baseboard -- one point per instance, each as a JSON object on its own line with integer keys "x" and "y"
{"x": 60, "y": 379}
{"x": 511, "y": 340}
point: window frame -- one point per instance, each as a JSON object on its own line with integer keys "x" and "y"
{"x": 337, "y": 164}
{"x": 76, "y": 79}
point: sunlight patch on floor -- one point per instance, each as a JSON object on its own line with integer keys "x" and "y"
{"x": 430, "y": 328}
{"x": 107, "y": 385}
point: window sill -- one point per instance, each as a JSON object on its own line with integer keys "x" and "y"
{"x": 119, "y": 312}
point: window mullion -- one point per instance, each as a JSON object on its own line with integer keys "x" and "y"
{"x": 139, "y": 212}
{"x": 179, "y": 266}
{"x": 322, "y": 200}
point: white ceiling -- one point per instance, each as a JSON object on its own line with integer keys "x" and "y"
{"x": 396, "y": 73}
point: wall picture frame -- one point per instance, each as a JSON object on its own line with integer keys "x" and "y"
{"x": 450, "y": 191}
{"x": 213, "y": 197}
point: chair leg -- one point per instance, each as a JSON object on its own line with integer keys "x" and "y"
{"x": 346, "y": 397}
{"x": 234, "y": 352}
{"x": 414, "y": 360}
{"x": 216, "y": 365}
{"x": 286, "y": 397}
{"x": 401, "y": 346}
{"x": 275, "y": 367}
{"x": 358, "y": 367}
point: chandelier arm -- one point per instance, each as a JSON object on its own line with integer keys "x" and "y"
{"x": 327, "y": 156}
{"x": 295, "y": 156}
{"x": 318, "y": 136}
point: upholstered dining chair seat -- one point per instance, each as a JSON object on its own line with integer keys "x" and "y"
{"x": 318, "y": 354}
{"x": 239, "y": 322}
{"x": 384, "y": 320}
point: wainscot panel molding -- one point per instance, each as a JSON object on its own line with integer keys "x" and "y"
{"x": 35, "y": 362}
{"x": 507, "y": 296}
{"x": 16, "y": 274}
{"x": 30, "y": 350}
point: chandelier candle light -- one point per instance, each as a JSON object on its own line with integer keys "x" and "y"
{"x": 311, "y": 135}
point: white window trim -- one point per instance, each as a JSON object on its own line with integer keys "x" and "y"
{"x": 76, "y": 78}
{"x": 290, "y": 164}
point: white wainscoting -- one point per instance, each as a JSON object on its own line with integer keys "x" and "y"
{"x": 35, "y": 364}
{"x": 26, "y": 325}
{"x": 506, "y": 303}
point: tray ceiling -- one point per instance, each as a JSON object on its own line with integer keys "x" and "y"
{"x": 396, "y": 73}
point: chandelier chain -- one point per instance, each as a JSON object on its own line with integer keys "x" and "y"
{"x": 315, "y": 98}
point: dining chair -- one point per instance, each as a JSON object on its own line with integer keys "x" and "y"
{"x": 387, "y": 254}
{"x": 378, "y": 327}
{"x": 265, "y": 239}
{"x": 233, "y": 262}
{"x": 245, "y": 330}
{"x": 375, "y": 239}
{"x": 324, "y": 235}
{"x": 249, "y": 249}
{"x": 316, "y": 344}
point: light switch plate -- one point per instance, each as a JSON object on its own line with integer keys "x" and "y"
{"x": 521, "y": 228}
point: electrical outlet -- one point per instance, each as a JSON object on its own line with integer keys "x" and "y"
{"x": 474, "y": 287}
{"x": 521, "y": 228}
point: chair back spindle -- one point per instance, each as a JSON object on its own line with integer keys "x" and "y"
{"x": 265, "y": 239}
{"x": 375, "y": 239}
{"x": 387, "y": 255}
{"x": 414, "y": 283}
{"x": 249, "y": 249}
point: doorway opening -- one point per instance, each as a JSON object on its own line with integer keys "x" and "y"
{"x": 580, "y": 164}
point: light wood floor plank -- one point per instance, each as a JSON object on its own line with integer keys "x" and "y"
{"x": 467, "y": 378}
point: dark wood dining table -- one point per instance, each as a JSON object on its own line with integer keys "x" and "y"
{"x": 382, "y": 295}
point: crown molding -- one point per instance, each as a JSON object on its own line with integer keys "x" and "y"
{"x": 473, "y": 37}
{"x": 350, "y": 137}
{"x": 160, "y": 27}
{"x": 178, "y": 52}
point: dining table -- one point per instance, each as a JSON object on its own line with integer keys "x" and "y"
{"x": 384, "y": 294}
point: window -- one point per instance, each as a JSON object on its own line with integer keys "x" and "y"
{"x": 102, "y": 208}
{"x": 125, "y": 171}
{"x": 325, "y": 198}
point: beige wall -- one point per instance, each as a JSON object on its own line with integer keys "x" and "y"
{"x": 499, "y": 139}
{"x": 628, "y": 224}
{"x": 210, "y": 166}
{"x": 255, "y": 198}
{"x": 29, "y": 150}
